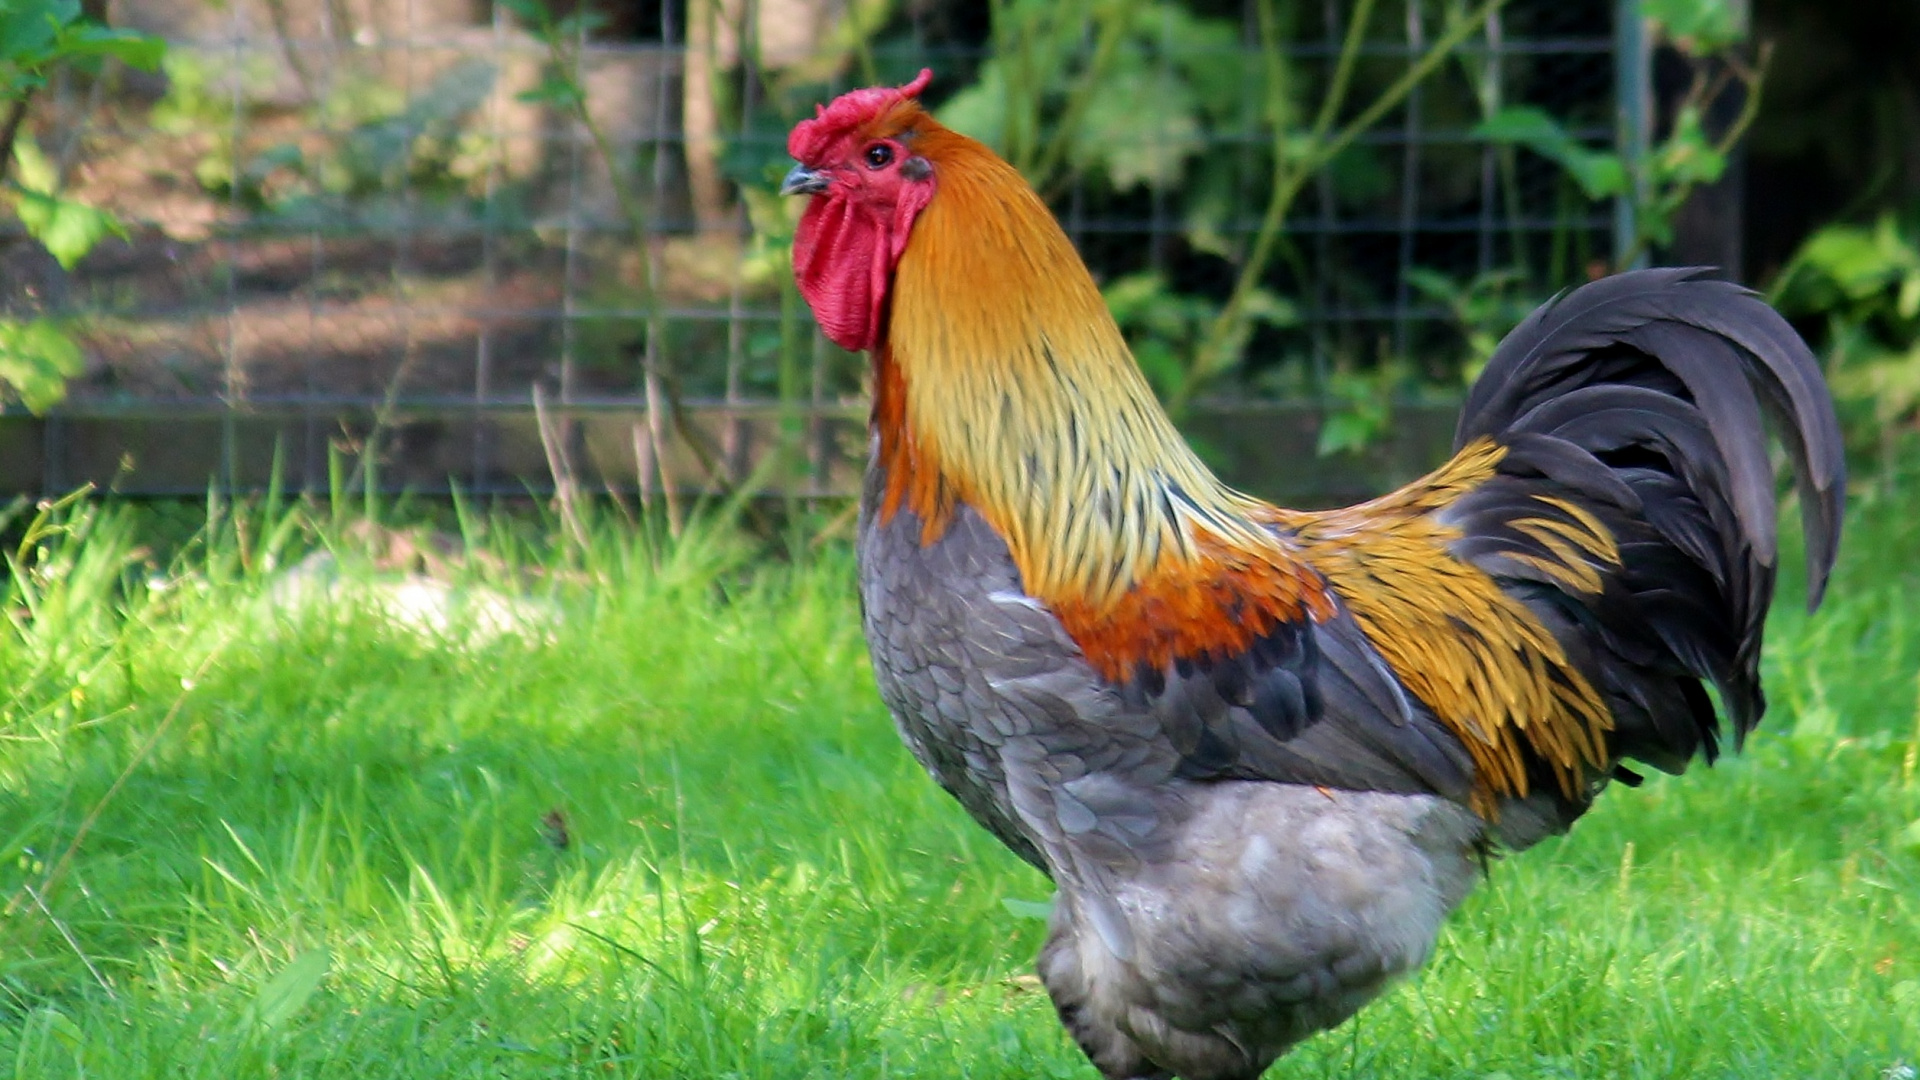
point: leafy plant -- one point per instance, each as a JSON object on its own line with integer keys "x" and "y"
{"x": 1300, "y": 150}
{"x": 37, "y": 36}
{"x": 562, "y": 91}
{"x": 1483, "y": 308}
{"x": 1864, "y": 281}
{"x": 67, "y": 229}
{"x": 1656, "y": 185}
{"x": 1358, "y": 403}
{"x": 1126, "y": 90}
{"x": 1697, "y": 27}
{"x": 367, "y": 139}
{"x": 195, "y": 103}
{"x": 1164, "y": 329}
{"x": 386, "y": 141}
{"x": 1358, "y": 407}
{"x": 38, "y": 354}
{"x": 1133, "y": 108}
{"x": 37, "y": 357}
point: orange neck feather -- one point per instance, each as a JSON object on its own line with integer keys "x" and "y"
{"x": 1004, "y": 384}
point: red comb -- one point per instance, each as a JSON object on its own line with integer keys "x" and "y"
{"x": 811, "y": 139}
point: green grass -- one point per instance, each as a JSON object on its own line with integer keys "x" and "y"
{"x": 245, "y": 836}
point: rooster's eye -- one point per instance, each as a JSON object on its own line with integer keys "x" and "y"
{"x": 879, "y": 156}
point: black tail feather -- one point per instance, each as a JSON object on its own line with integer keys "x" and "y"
{"x": 1691, "y": 327}
{"x": 1644, "y": 399}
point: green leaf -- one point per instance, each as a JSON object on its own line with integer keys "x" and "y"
{"x": 288, "y": 991}
{"x": 37, "y": 357}
{"x": 1688, "y": 156}
{"x": 1600, "y": 175}
{"x": 67, "y": 229}
{"x": 980, "y": 110}
{"x": 214, "y": 172}
{"x": 1264, "y": 306}
{"x": 28, "y": 30}
{"x": 1434, "y": 285}
{"x": 1525, "y": 125}
{"x": 130, "y": 48}
{"x": 1860, "y": 262}
{"x": 1360, "y": 410}
{"x": 1195, "y": 45}
{"x": 35, "y": 34}
{"x": 32, "y": 169}
{"x": 532, "y": 12}
{"x": 1344, "y": 431}
{"x": 1695, "y": 27}
{"x": 555, "y": 91}
{"x": 1908, "y": 305}
{"x": 1132, "y": 296}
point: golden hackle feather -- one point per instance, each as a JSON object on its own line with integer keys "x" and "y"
{"x": 1500, "y": 681}
{"x": 1003, "y": 383}
{"x": 1004, "y": 377}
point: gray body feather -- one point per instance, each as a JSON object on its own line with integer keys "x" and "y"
{"x": 1202, "y": 924}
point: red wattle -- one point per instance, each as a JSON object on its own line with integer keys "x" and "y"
{"x": 844, "y": 253}
{"x": 834, "y": 261}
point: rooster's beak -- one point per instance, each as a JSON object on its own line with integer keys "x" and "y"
{"x": 803, "y": 181}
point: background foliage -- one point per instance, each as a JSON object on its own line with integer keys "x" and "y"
{"x": 341, "y": 786}
{"x": 37, "y": 352}
{"x": 1344, "y": 204}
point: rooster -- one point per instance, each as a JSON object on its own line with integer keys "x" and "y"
{"x": 1263, "y": 753}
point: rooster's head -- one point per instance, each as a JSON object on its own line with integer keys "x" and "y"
{"x": 856, "y": 158}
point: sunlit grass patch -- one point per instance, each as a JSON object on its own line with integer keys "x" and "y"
{"x": 666, "y": 829}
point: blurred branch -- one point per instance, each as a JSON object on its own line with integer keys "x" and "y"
{"x": 699, "y": 112}
{"x": 1012, "y": 51}
{"x": 290, "y": 47}
{"x": 1672, "y": 186}
{"x": 1292, "y": 170}
{"x": 10, "y": 130}
{"x": 1342, "y": 71}
{"x": 563, "y": 89}
{"x": 566, "y": 486}
{"x": 1113, "y": 28}
{"x": 38, "y": 353}
{"x": 369, "y": 460}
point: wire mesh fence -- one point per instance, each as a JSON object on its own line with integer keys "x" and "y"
{"x": 478, "y": 252}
